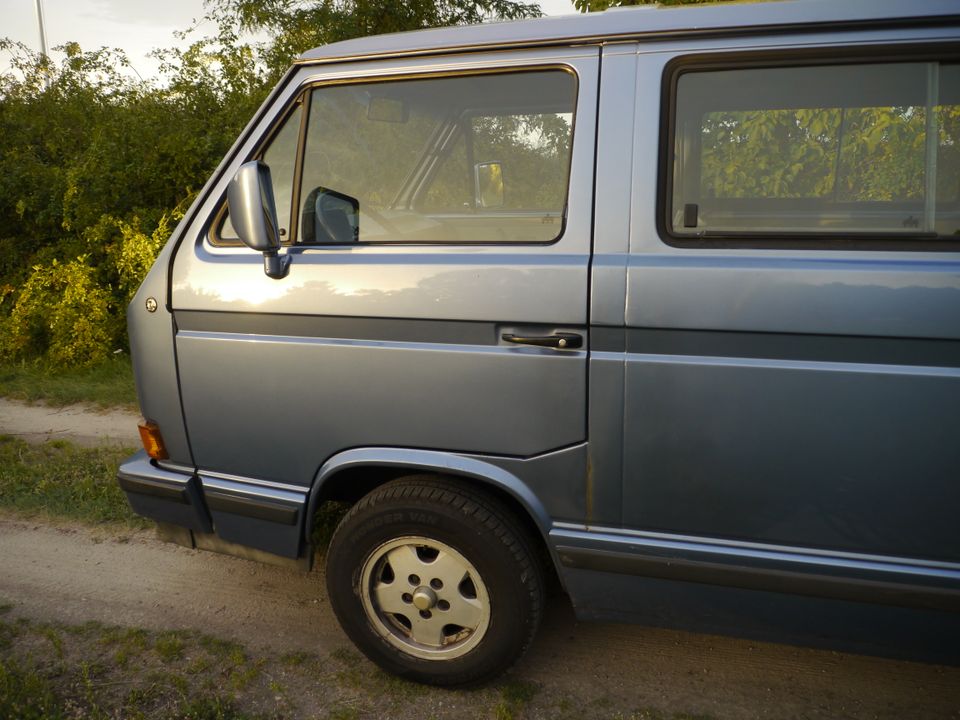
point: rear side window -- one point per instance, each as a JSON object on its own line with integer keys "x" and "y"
{"x": 851, "y": 151}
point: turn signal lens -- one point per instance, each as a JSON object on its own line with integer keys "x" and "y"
{"x": 152, "y": 440}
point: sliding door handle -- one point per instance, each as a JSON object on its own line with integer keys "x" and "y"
{"x": 560, "y": 340}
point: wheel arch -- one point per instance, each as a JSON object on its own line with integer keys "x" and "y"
{"x": 351, "y": 474}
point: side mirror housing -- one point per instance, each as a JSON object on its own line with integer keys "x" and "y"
{"x": 253, "y": 213}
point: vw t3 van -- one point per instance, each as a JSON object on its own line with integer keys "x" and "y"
{"x": 661, "y": 303}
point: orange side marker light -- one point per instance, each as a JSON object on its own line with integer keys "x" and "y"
{"x": 152, "y": 440}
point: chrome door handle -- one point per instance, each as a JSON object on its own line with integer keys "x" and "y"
{"x": 560, "y": 340}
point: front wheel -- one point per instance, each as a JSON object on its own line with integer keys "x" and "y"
{"x": 435, "y": 582}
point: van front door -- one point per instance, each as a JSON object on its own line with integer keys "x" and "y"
{"x": 435, "y": 214}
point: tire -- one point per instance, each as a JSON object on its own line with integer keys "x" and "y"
{"x": 434, "y": 582}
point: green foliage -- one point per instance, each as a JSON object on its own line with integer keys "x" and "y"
{"x": 63, "y": 312}
{"x": 298, "y": 25}
{"x": 855, "y": 154}
{"x": 108, "y": 384}
{"x": 96, "y": 166}
{"x": 134, "y": 254}
{"x": 26, "y": 695}
{"x": 599, "y": 5}
{"x": 58, "y": 479}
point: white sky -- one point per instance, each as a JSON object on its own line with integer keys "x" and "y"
{"x": 135, "y": 26}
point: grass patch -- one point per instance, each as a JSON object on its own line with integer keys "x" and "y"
{"x": 61, "y": 480}
{"x": 296, "y": 659}
{"x": 219, "y": 648}
{"x": 55, "y": 640}
{"x": 169, "y": 647}
{"x": 514, "y": 697}
{"x": 26, "y": 695}
{"x": 106, "y": 385}
{"x": 654, "y": 714}
{"x": 343, "y": 712}
{"x": 215, "y": 708}
{"x": 188, "y": 675}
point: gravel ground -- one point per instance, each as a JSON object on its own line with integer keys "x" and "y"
{"x": 72, "y": 574}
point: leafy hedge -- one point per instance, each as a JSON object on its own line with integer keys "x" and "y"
{"x": 95, "y": 166}
{"x": 94, "y": 169}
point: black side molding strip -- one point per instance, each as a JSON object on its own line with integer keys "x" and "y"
{"x": 797, "y": 582}
{"x": 777, "y": 346}
{"x": 270, "y": 511}
{"x": 353, "y": 328}
{"x": 153, "y": 488}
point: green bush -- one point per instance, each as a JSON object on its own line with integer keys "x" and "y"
{"x": 95, "y": 166}
{"x": 63, "y": 313}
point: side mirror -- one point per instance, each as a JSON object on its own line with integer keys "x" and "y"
{"x": 253, "y": 213}
{"x": 488, "y": 184}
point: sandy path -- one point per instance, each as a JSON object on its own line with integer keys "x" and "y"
{"x": 72, "y": 574}
{"x": 80, "y": 424}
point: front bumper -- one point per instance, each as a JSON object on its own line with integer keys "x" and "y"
{"x": 164, "y": 495}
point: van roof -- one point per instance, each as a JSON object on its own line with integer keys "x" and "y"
{"x": 645, "y": 22}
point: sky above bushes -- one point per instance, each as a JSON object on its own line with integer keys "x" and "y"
{"x": 135, "y": 26}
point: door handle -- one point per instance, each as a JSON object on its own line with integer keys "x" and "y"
{"x": 560, "y": 340}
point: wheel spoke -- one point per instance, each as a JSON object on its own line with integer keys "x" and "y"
{"x": 448, "y": 569}
{"x": 427, "y": 631}
{"x": 389, "y": 600}
{"x": 465, "y": 612}
{"x": 405, "y": 562}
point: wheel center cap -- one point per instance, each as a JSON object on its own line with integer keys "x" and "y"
{"x": 424, "y": 597}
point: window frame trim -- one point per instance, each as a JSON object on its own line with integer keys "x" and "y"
{"x": 299, "y": 100}
{"x": 942, "y": 52}
{"x": 304, "y": 97}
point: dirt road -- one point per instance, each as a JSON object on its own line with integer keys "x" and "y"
{"x": 80, "y": 424}
{"x": 73, "y": 574}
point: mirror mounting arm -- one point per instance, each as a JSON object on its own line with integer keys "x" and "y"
{"x": 274, "y": 265}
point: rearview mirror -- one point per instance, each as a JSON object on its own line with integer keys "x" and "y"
{"x": 387, "y": 109}
{"x": 488, "y": 178}
{"x": 253, "y": 213}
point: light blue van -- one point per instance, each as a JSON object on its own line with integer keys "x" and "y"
{"x": 661, "y": 303}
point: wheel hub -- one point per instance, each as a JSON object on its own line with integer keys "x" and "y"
{"x": 424, "y": 598}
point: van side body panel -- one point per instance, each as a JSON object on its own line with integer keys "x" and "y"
{"x": 797, "y": 401}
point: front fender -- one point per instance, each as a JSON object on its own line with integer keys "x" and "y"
{"x": 429, "y": 461}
